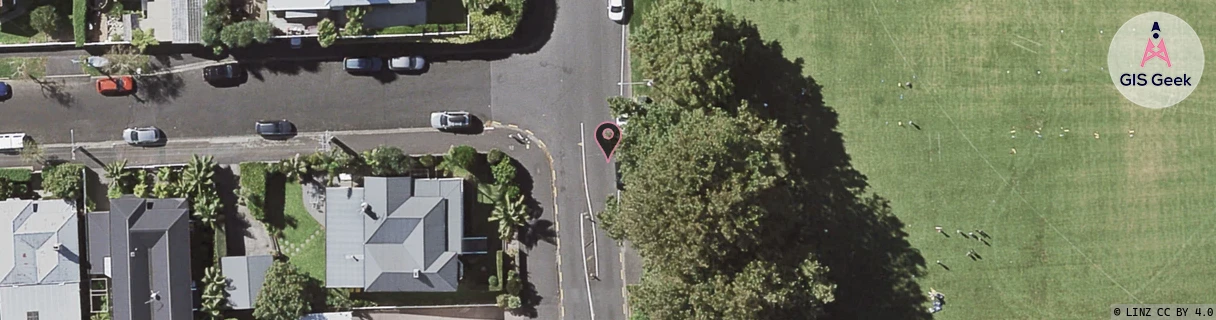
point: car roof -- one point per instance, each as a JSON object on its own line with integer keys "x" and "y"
{"x": 616, "y": 3}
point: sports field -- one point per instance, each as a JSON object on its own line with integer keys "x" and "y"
{"x": 1077, "y": 223}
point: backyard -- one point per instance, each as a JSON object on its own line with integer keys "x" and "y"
{"x": 19, "y": 29}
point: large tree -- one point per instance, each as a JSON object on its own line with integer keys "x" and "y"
{"x": 285, "y": 294}
{"x": 44, "y": 19}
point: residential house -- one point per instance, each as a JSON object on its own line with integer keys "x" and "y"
{"x": 245, "y": 276}
{"x": 143, "y": 246}
{"x": 395, "y": 235}
{"x": 175, "y": 21}
{"x": 40, "y": 275}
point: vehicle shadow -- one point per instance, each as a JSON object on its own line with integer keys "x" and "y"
{"x": 160, "y": 88}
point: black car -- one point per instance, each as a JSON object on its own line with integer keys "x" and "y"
{"x": 224, "y": 73}
{"x": 275, "y": 128}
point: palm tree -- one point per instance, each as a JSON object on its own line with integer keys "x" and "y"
{"x": 509, "y": 215}
{"x": 198, "y": 174}
{"x": 213, "y": 293}
{"x": 207, "y": 207}
{"x": 295, "y": 168}
{"x": 141, "y": 183}
{"x": 116, "y": 170}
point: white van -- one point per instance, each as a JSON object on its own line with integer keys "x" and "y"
{"x": 12, "y": 142}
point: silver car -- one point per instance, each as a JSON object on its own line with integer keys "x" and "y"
{"x": 450, "y": 120}
{"x": 414, "y": 63}
{"x": 142, "y": 136}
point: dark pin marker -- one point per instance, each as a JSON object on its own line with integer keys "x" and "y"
{"x": 608, "y": 136}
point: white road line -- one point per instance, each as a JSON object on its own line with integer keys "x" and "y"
{"x": 621, "y": 84}
{"x": 582, "y": 145}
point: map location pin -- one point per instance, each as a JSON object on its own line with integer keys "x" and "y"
{"x": 608, "y": 136}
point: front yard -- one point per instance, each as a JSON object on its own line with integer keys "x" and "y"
{"x": 303, "y": 238}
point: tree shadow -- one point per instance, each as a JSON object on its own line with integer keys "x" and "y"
{"x": 256, "y": 69}
{"x": 52, "y": 89}
{"x": 226, "y": 183}
{"x": 536, "y": 231}
{"x": 275, "y": 201}
{"x": 528, "y": 294}
{"x": 161, "y": 88}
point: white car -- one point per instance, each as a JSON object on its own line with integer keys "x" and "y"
{"x": 450, "y": 120}
{"x": 142, "y": 136}
{"x": 616, "y": 10}
{"x": 414, "y": 63}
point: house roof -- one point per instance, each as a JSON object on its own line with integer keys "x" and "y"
{"x": 288, "y": 5}
{"x": 147, "y": 242}
{"x": 34, "y": 276}
{"x": 409, "y": 227}
{"x": 245, "y": 276}
{"x": 187, "y": 21}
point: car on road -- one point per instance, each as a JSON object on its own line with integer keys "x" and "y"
{"x": 414, "y": 63}
{"x": 144, "y": 136}
{"x": 450, "y": 120}
{"x": 274, "y": 128}
{"x": 230, "y": 72}
{"x": 116, "y": 85}
{"x": 616, "y": 10}
{"x": 362, "y": 65}
{"x": 6, "y": 91}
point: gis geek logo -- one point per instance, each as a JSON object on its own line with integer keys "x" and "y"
{"x": 1154, "y": 78}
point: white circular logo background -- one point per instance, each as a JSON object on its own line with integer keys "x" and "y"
{"x": 1155, "y": 60}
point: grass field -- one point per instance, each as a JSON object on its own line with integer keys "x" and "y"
{"x": 1077, "y": 223}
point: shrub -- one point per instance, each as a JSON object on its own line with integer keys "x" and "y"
{"x": 44, "y": 19}
{"x": 509, "y": 301}
{"x": 141, "y": 39}
{"x": 215, "y": 18}
{"x": 221, "y": 245}
{"x": 253, "y": 187}
{"x": 514, "y": 285}
{"x": 495, "y": 156}
{"x": 244, "y": 33}
{"x": 498, "y": 256}
{"x": 354, "y": 21}
{"x": 504, "y": 172}
{"x": 494, "y": 285}
{"x": 80, "y": 29}
{"x": 427, "y": 161}
{"x": 16, "y": 174}
{"x": 116, "y": 8}
{"x": 327, "y": 33}
{"x": 63, "y": 181}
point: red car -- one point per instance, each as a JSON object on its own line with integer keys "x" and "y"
{"x": 116, "y": 86}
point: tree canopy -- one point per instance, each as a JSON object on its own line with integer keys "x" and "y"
{"x": 733, "y": 178}
{"x": 285, "y": 294}
{"x": 44, "y": 19}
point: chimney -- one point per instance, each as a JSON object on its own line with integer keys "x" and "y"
{"x": 417, "y": 273}
{"x": 363, "y": 207}
{"x": 57, "y": 246}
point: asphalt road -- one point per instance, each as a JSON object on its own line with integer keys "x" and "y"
{"x": 552, "y": 92}
{"x": 314, "y": 96}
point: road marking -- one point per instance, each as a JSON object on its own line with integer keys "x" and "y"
{"x": 250, "y": 138}
{"x": 581, "y": 234}
{"x": 621, "y": 84}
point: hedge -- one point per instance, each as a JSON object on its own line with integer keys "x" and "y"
{"x": 422, "y": 28}
{"x": 16, "y": 174}
{"x": 80, "y": 14}
{"x": 221, "y": 244}
{"x": 495, "y": 288}
{"x": 253, "y": 181}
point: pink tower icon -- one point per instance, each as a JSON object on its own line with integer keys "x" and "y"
{"x": 1159, "y": 52}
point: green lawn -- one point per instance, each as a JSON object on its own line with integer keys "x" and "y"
{"x": 9, "y": 67}
{"x": 1077, "y": 223}
{"x": 308, "y": 255}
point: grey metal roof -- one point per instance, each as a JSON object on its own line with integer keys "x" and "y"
{"x": 34, "y": 276}
{"x": 406, "y": 228}
{"x": 148, "y": 244}
{"x": 187, "y": 20}
{"x": 343, "y": 238}
{"x": 281, "y": 5}
{"x": 245, "y": 276}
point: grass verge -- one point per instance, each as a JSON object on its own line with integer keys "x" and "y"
{"x": 13, "y": 68}
{"x": 80, "y": 14}
{"x": 16, "y": 174}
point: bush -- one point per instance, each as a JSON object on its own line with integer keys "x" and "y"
{"x": 495, "y": 156}
{"x": 494, "y": 285}
{"x": 427, "y": 161}
{"x": 44, "y": 19}
{"x": 245, "y": 33}
{"x": 80, "y": 28}
{"x": 16, "y": 174}
{"x": 354, "y": 21}
{"x": 327, "y": 33}
{"x": 215, "y": 18}
{"x": 514, "y": 284}
{"x": 141, "y": 39}
{"x": 63, "y": 181}
{"x": 498, "y": 256}
{"x": 504, "y": 172}
{"x": 116, "y": 8}
{"x": 509, "y": 301}
{"x": 461, "y": 157}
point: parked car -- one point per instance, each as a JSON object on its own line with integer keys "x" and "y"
{"x": 6, "y": 91}
{"x": 414, "y": 63}
{"x": 116, "y": 85}
{"x": 142, "y": 136}
{"x": 274, "y": 128}
{"x": 616, "y": 10}
{"x": 224, "y": 73}
{"x": 362, "y": 65}
{"x": 450, "y": 120}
